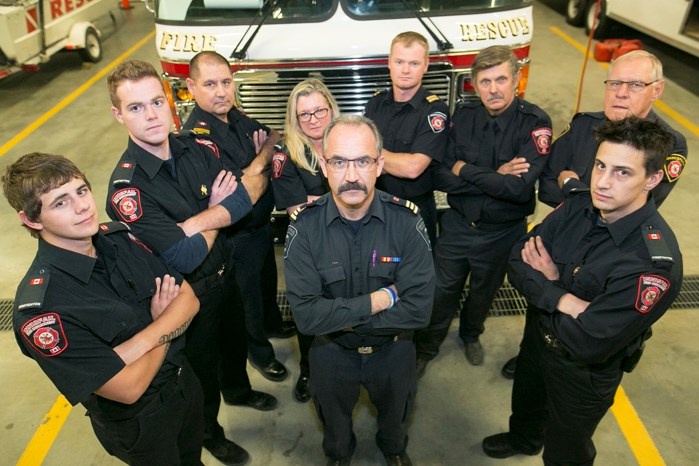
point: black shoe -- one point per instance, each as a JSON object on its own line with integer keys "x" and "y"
{"x": 508, "y": 370}
{"x": 474, "y": 352}
{"x": 340, "y": 462}
{"x": 420, "y": 367}
{"x": 274, "y": 371}
{"x": 227, "y": 452}
{"x": 499, "y": 446}
{"x": 401, "y": 459}
{"x": 301, "y": 391}
{"x": 254, "y": 399}
{"x": 287, "y": 330}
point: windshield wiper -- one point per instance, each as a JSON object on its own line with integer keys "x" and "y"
{"x": 263, "y": 14}
{"x": 442, "y": 43}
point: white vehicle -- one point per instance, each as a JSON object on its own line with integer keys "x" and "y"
{"x": 33, "y": 30}
{"x": 274, "y": 44}
{"x": 675, "y": 22}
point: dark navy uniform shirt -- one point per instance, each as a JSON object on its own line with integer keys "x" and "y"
{"x": 71, "y": 310}
{"x": 330, "y": 271}
{"x": 237, "y": 150}
{"x": 292, "y": 184}
{"x": 479, "y": 193}
{"x": 417, "y": 126}
{"x": 575, "y": 150}
{"x": 630, "y": 271}
{"x": 144, "y": 193}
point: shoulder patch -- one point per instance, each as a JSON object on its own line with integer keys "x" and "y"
{"x": 31, "y": 294}
{"x": 674, "y": 166}
{"x": 650, "y": 289}
{"x": 542, "y": 140}
{"x": 657, "y": 247}
{"x": 278, "y": 161}
{"x": 432, "y": 98}
{"x": 291, "y": 233}
{"x": 422, "y": 230}
{"x": 437, "y": 121}
{"x": 127, "y": 203}
{"x": 45, "y": 334}
{"x": 123, "y": 173}
{"x": 209, "y": 144}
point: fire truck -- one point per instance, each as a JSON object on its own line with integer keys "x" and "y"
{"x": 33, "y": 30}
{"x": 274, "y": 44}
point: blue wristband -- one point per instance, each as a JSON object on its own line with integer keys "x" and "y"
{"x": 392, "y": 295}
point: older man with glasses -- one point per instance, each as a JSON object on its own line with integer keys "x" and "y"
{"x": 359, "y": 277}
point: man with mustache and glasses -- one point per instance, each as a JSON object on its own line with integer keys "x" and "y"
{"x": 360, "y": 278}
{"x": 496, "y": 151}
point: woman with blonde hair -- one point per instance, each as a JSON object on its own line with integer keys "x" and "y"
{"x": 296, "y": 175}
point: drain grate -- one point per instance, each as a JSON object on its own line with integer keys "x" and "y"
{"x": 507, "y": 302}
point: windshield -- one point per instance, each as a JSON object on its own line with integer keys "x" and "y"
{"x": 244, "y": 11}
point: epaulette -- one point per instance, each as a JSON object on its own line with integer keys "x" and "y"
{"x": 304, "y": 207}
{"x": 468, "y": 104}
{"x": 410, "y": 205}
{"x": 432, "y": 98}
{"x": 593, "y": 115}
{"x": 532, "y": 109}
{"x": 30, "y": 294}
{"x": 658, "y": 249}
{"x": 380, "y": 91}
{"x": 108, "y": 228}
{"x": 123, "y": 173}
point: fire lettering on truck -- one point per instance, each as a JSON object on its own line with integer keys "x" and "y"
{"x": 61, "y": 7}
{"x": 508, "y": 27}
{"x": 185, "y": 42}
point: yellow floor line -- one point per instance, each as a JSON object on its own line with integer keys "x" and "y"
{"x": 637, "y": 436}
{"x": 634, "y": 431}
{"x": 19, "y": 137}
{"x": 660, "y": 105}
{"x": 45, "y": 435}
{"x": 47, "y": 432}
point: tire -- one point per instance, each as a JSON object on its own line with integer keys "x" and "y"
{"x": 575, "y": 12}
{"x": 603, "y": 23}
{"x": 93, "y": 47}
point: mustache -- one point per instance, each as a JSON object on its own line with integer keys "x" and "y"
{"x": 352, "y": 186}
{"x": 495, "y": 96}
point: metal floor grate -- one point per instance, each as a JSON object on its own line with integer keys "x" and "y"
{"x": 508, "y": 302}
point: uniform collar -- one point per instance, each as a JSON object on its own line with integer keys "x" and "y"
{"x": 216, "y": 125}
{"x": 622, "y": 228}
{"x": 502, "y": 120}
{"x": 376, "y": 209}
{"x": 77, "y": 265}
{"x": 149, "y": 162}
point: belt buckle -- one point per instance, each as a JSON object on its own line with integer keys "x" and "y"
{"x": 365, "y": 350}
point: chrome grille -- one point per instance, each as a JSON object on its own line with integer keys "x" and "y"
{"x": 262, "y": 95}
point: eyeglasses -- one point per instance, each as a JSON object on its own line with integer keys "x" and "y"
{"x": 320, "y": 113}
{"x": 633, "y": 86}
{"x": 338, "y": 164}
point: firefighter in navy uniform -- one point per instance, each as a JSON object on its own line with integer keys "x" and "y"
{"x": 246, "y": 148}
{"x": 597, "y": 273}
{"x": 174, "y": 194}
{"x": 103, "y": 318}
{"x": 413, "y": 124}
{"x": 634, "y": 82}
{"x": 360, "y": 278}
{"x": 497, "y": 149}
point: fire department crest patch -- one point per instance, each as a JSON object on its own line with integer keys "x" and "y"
{"x": 127, "y": 203}
{"x": 542, "y": 140}
{"x": 650, "y": 289}
{"x": 278, "y": 161}
{"x": 211, "y": 145}
{"x": 45, "y": 334}
{"x": 437, "y": 121}
{"x": 674, "y": 165}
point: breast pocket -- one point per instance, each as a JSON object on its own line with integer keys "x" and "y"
{"x": 587, "y": 286}
{"x": 333, "y": 280}
{"x": 110, "y": 324}
{"x": 384, "y": 274}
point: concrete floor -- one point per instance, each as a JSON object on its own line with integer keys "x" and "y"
{"x": 457, "y": 404}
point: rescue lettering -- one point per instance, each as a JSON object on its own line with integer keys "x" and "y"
{"x": 185, "y": 42}
{"x": 61, "y": 7}
{"x": 502, "y": 29}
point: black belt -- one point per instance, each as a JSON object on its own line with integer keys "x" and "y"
{"x": 372, "y": 348}
{"x": 494, "y": 226}
{"x": 202, "y": 285}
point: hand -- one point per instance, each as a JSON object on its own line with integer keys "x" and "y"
{"x": 166, "y": 290}
{"x": 516, "y": 167}
{"x": 223, "y": 186}
{"x": 259, "y": 137}
{"x": 456, "y": 168}
{"x": 572, "y": 305}
{"x": 566, "y": 174}
{"x": 535, "y": 255}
